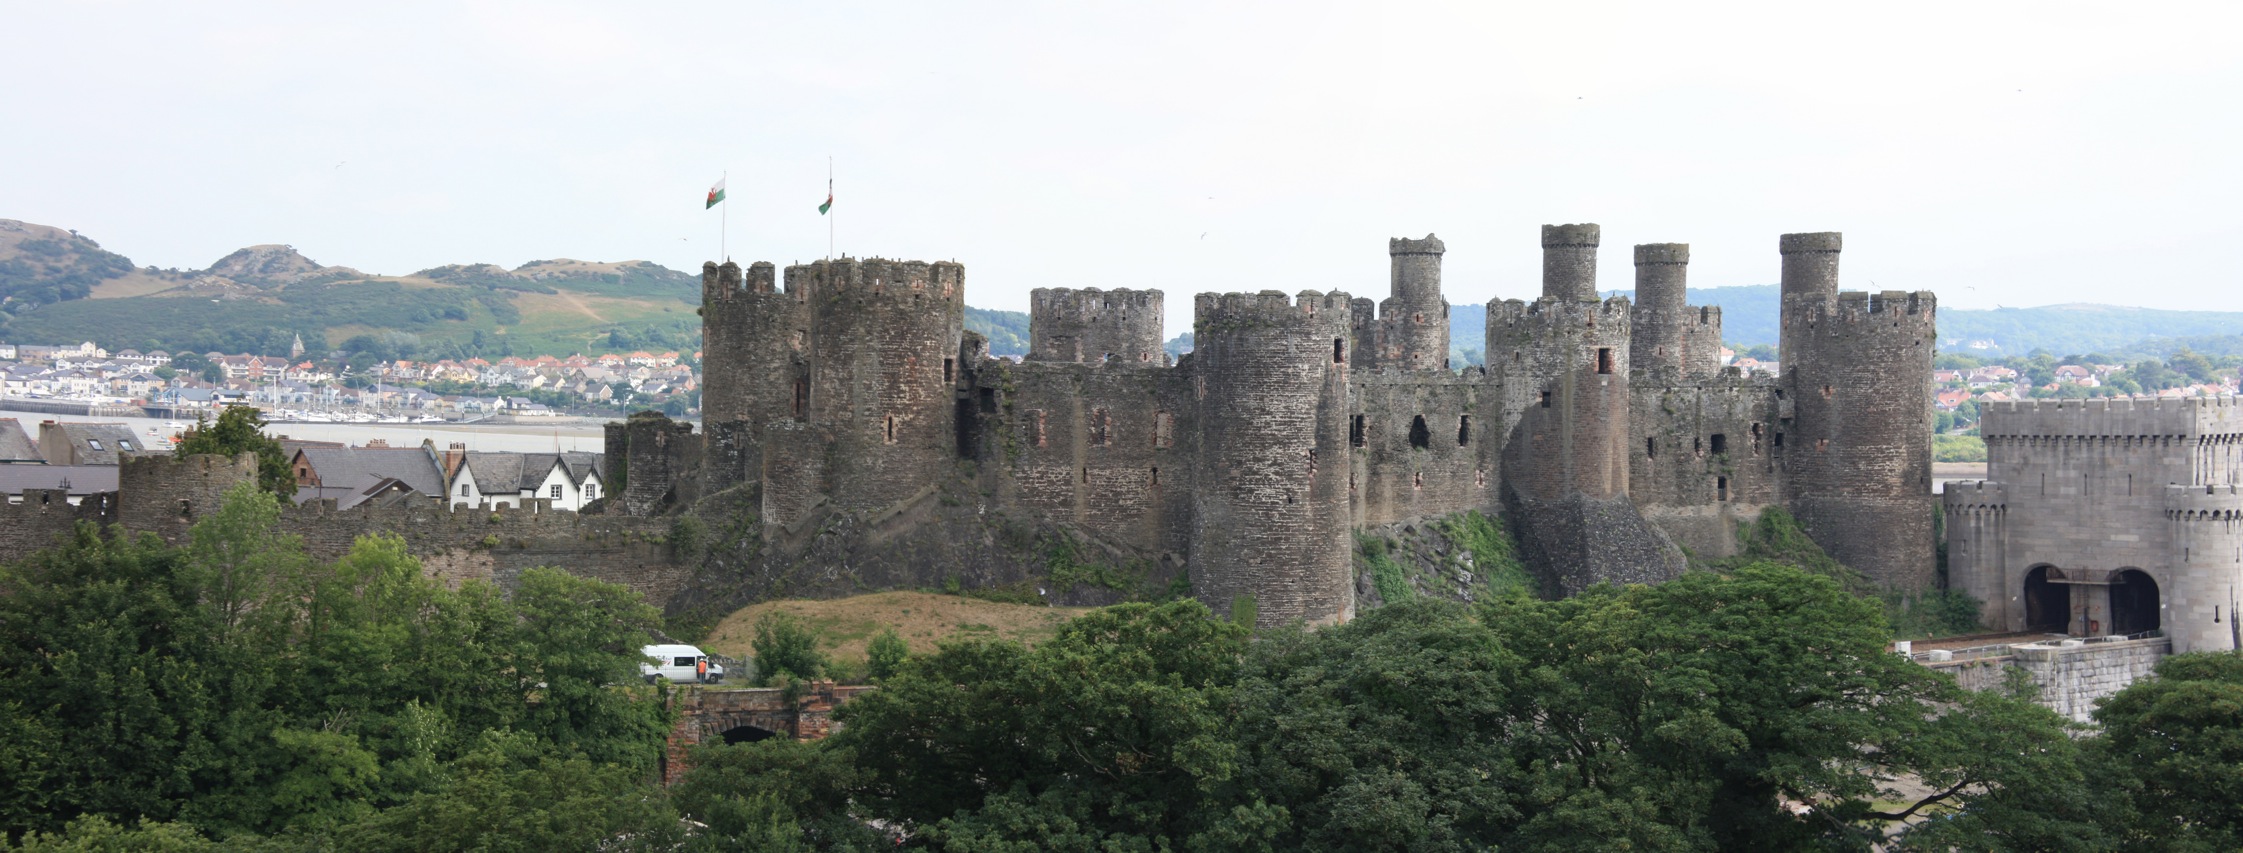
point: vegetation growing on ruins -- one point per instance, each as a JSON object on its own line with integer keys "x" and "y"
{"x": 238, "y": 430}
{"x": 1776, "y": 537}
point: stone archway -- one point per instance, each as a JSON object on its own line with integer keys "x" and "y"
{"x": 2048, "y": 606}
{"x": 746, "y": 734}
{"x": 2134, "y": 602}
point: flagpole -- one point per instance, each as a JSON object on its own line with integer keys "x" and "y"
{"x": 724, "y": 217}
{"x": 829, "y": 213}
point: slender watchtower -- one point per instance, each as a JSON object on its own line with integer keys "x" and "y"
{"x": 1270, "y": 520}
{"x": 757, "y": 338}
{"x": 1569, "y": 262}
{"x": 1661, "y": 339}
{"x": 1414, "y": 319}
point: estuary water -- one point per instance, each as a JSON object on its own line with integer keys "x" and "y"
{"x": 520, "y": 438}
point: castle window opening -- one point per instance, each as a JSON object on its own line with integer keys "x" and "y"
{"x": 891, "y": 429}
{"x": 1721, "y": 488}
{"x": 1357, "y": 432}
{"x": 1697, "y": 446}
{"x": 1086, "y": 474}
{"x": 1720, "y": 443}
{"x": 989, "y": 401}
{"x": 1156, "y": 478}
{"x": 1822, "y": 444}
{"x": 1779, "y": 440}
{"x": 1463, "y": 430}
{"x": 1650, "y": 448}
{"x": 1339, "y": 350}
{"x": 1604, "y": 359}
{"x": 949, "y": 366}
{"x": 801, "y": 395}
{"x": 1518, "y": 356}
{"x": 1826, "y": 392}
{"x": 1420, "y": 437}
{"x": 1101, "y": 428}
{"x": 1756, "y": 436}
{"x": 1545, "y": 399}
{"x": 1417, "y": 480}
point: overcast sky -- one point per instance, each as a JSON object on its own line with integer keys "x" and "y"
{"x": 1998, "y": 153}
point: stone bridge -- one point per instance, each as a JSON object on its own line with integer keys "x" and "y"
{"x": 710, "y": 715}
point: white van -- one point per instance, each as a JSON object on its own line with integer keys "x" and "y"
{"x": 680, "y": 664}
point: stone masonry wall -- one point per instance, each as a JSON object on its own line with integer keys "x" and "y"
{"x": 1857, "y": 369}
{"x": 1392, "y": 476}
{"x": 1703, "y": 457}
{"x": 1413, "y": 330}
{"x": 760, "y": 336}
{"x": 885, "y": 348}
{"x": 1093, "y": 325}
{"x": 1272, "y": 517}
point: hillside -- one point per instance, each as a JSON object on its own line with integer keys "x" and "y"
{"x": 57, "y": 287}
{"x": 846, "y": 625}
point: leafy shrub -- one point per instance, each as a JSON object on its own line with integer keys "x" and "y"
{"x": 784, "y": 646}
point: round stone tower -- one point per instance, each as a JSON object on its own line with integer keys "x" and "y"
{"x": 1092, "y": 325}
{"x": 1414, "y": 320}
{"x": 883, "y": 363}
{"x": 754, "y": 343}
{"x": 1661, "y": 332}
{"x": 1857, "y": 373}
{"x": 1569, "y": 262}
{"x": 1270, "y": 524}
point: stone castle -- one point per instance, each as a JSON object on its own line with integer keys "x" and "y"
{"x": 1604, "y": 430}
{"x": 2114, "y": 517}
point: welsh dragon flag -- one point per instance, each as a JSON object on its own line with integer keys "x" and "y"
{"x": 716, "y": 194}
{"x": 829, "y": 200}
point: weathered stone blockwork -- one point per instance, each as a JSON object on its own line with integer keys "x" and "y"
{"x": 2093, "y": 504}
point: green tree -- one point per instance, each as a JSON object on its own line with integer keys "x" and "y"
{"x": 240, "y": 429}
{"x": 1116, "y": 729}
{"x": 776, "y": 794}
{"x": 885, "y": 655}
{"x": 516, "y": 793}
{"x": 2177, "y": 741}
{"x": 784, "y": 646}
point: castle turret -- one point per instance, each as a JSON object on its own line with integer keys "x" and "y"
{"x": 882, "y": 369}
{"x": 1569, "y": 262}
{"x": 1660, "y": 333}
{"x": 759, "y": 339}
{"x": 1414, "y": 320}
{"x": 1271, "y": 516}
{"x": 1857, "y": 372}
{"x": 1562, "y": 364}
{"x": 1810, "y": 273}
{"x": 1092, "y": 325}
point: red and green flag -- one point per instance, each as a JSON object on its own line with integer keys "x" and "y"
{"x": 716, "y": 194}
{"x": 829, "y": 200}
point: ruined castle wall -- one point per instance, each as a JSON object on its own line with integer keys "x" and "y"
{"x": 757, "y": 340}
{"x": 1702, "y": 456}
{"x": 1392, "y": 412}
{"x": 38, "y": 518}
{"x": 1094, "y": 445}
{"x": 165, "y": 495}
{"x": 497, "y": 545}
{"x": 1271, "y": 516}
{"x": 1093, "y": 325}
{"x": 1414, "y": 321}
{"x": 1857, "y": 368}
{"x": 663, "y": 464}
{"x": 884, "y": 362}
{"x": 1563, "y": 372}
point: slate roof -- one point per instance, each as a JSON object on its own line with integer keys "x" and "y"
{"x": 81, "y": 480}
{"x": 16, "y": 445}
{"x": 112, "y": 438}
{"x": 500, "y": 472}
{"x": 350, "y": 466}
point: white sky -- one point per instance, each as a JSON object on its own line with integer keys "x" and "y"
{"x": 1999, "y": 153}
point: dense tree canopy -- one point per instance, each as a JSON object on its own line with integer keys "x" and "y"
{"x": 231, "y": 693}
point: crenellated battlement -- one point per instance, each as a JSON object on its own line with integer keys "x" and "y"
{"x": 2134, "y": 418}
{"x": 726, "y": 282}
{"x": 1214, "y": 312}
{"x": 2204, "y": 503}
{"x": 895, "y": 281}
{"x": 1960, "y": 495}
{"x": 1555, "y": 312}
{"x": 1093, "y": 325}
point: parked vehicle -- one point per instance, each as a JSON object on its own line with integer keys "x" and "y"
{"x": 681, "y": 664}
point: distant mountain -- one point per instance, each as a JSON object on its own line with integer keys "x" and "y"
{"x": 1007, "y": 331}
{"x": 57, "y": 286}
